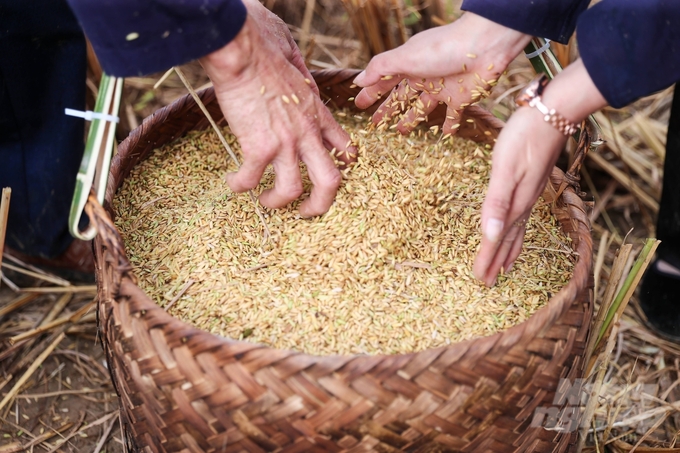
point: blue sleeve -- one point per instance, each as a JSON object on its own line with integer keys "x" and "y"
{"x": 137, "y": 37}
{"x": 552, "y": 19}
{"x": 631, "y": 48}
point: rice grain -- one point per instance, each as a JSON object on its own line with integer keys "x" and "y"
{"x": 386, "y": 270}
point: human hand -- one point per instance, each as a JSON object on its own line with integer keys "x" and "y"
{"x": 523, "y": 158}
{"x": 274, "y": 110}
{"x": 455, "y": 64}
{"x": 276, "y": 31}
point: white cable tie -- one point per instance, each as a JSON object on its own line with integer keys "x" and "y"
{"x": 536, "y": 53}
{"x": 89, "y": 115}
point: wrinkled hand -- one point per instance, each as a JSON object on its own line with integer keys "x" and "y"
{"x": 272, "y": 106}
{"x": 523, "y": 158}
{"x": 456, "y": 64}
{"x": 275, "y": 30}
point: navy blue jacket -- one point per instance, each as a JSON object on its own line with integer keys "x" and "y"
{"x": 138, "y": 37}
{"x": 630, "y": 48}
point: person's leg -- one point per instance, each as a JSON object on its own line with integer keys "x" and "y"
{"x": 42, "y": 71}
{"x": 660, "y": 290}
{"x": 668, "y": 222}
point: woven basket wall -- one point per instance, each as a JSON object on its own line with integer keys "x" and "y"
{"x": 184, "y": 390}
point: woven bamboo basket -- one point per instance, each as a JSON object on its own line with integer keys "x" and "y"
{"x": 182, "y": 389}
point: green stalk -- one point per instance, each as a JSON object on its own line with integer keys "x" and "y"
{"x": 546, "y": 62}
{"x": 102, "y": 95}
{"x": 629, "y": 285}
{"x": 98, "y": 152}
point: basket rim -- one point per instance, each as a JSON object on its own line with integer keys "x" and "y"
{"x": 498, "y": 343}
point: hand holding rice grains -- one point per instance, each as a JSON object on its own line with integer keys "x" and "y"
{"x": 388, "y": 269}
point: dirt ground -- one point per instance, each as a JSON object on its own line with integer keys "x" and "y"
{"x": 68, "y": 403}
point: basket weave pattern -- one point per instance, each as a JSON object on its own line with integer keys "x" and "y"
{"x": 184, "y": 390}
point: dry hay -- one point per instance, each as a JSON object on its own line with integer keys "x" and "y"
{"x": 386, "y": 270}
{"x": 638, "y": 403}
{"x": 55, "y": 391}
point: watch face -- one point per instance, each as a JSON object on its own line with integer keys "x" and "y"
{"x": 533, "y": 89}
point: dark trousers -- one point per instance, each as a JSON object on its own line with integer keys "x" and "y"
{"x": 668, "y": 222}
{"x": 42, "y": 71}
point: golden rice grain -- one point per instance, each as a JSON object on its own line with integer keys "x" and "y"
{"x": 386, "y": 270}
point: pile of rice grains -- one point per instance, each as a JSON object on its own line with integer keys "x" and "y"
{"x": 387, "y": 270}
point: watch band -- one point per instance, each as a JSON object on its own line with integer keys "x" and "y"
{"x": 531, "y": 97}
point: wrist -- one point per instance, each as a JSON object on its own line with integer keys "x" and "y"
{"x": 232, "y": 60}
{"x": 494, "y": 39}
{"x": 573, "y": 94}
{"x": 532, "y": 96}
